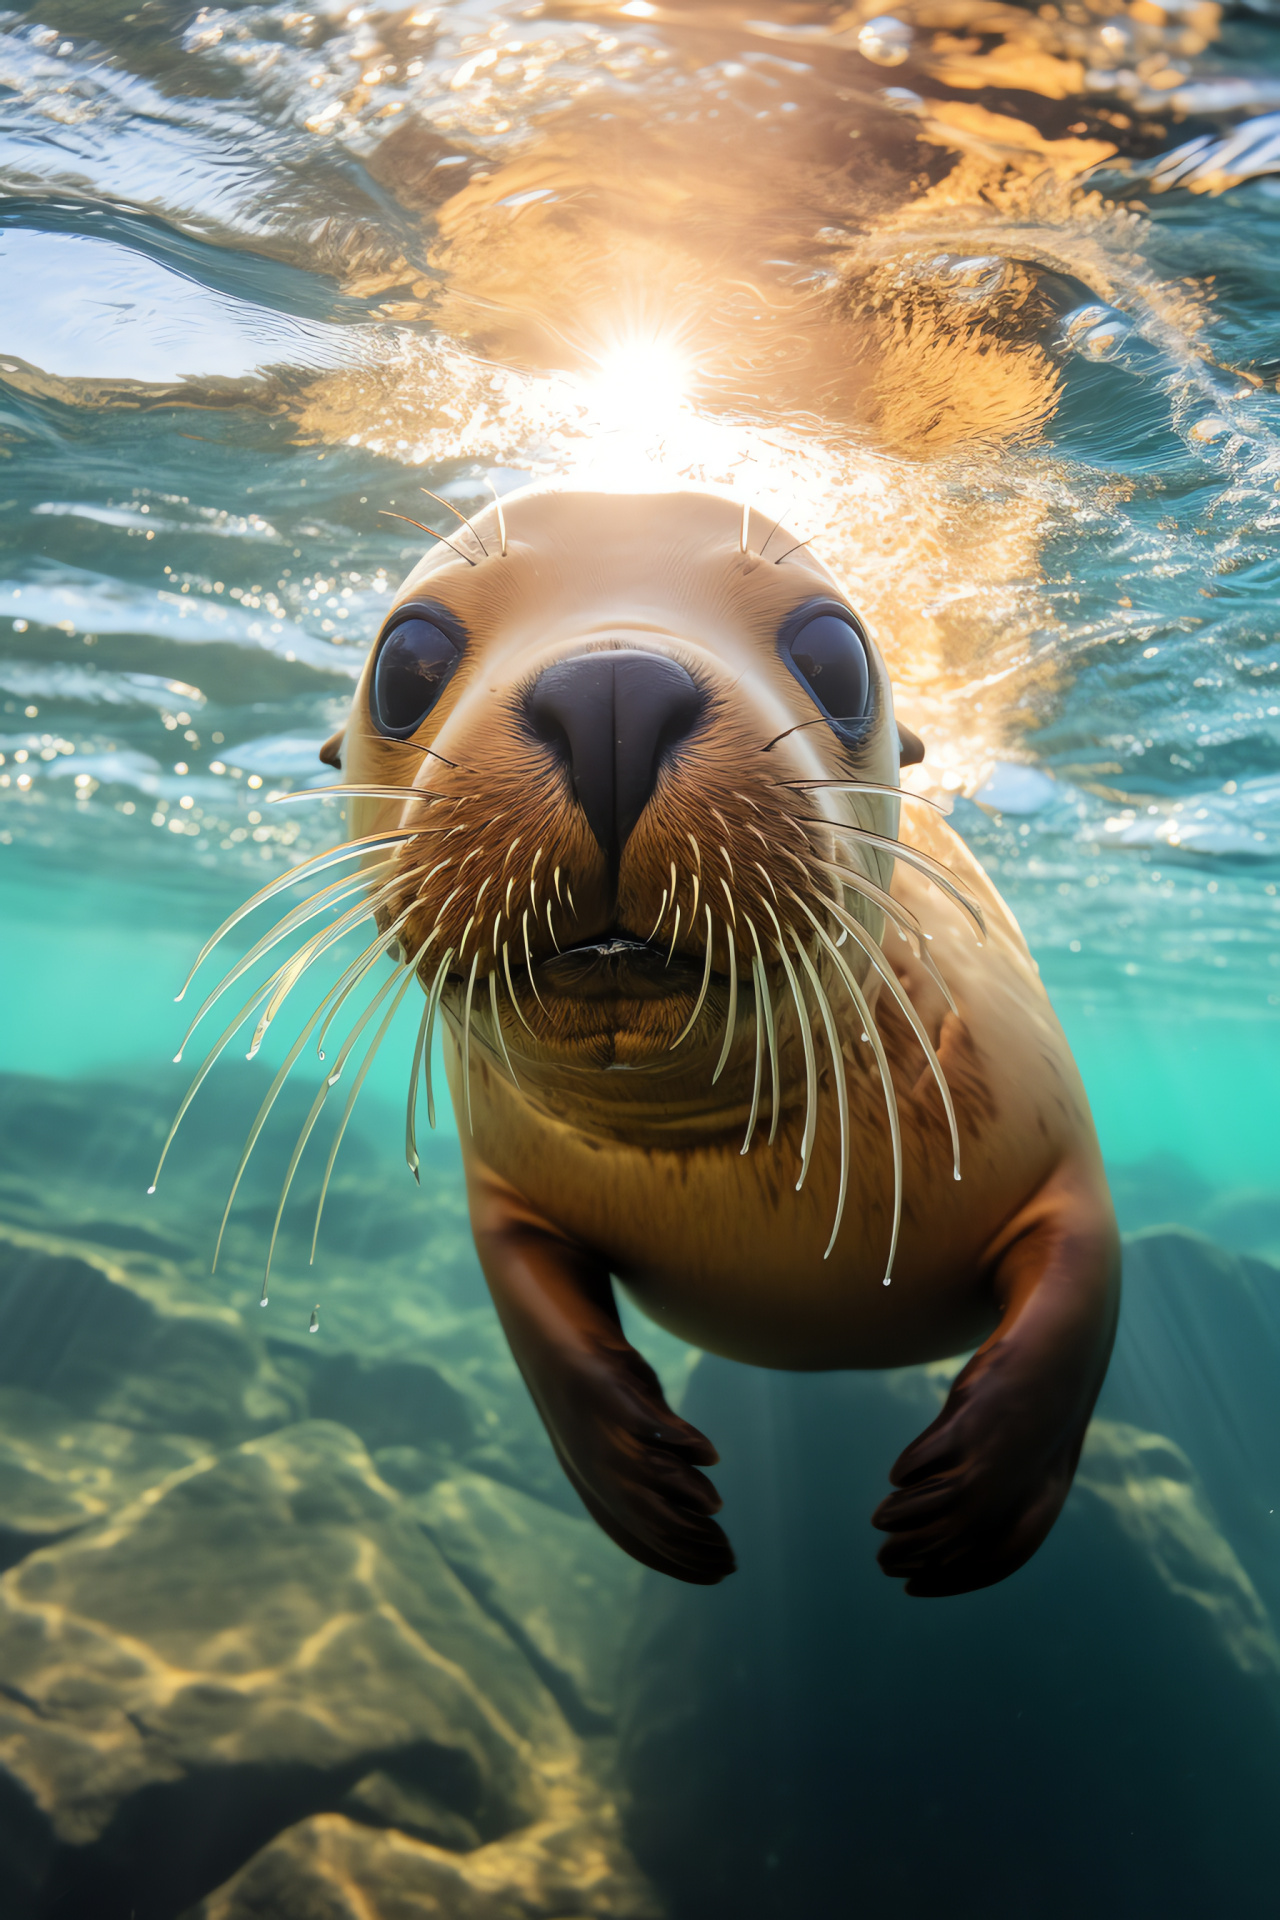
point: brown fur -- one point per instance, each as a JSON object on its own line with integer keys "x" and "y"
{"x": 617, "y": 1154}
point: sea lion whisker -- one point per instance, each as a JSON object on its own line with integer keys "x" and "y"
{"x": 770, "y": 1033}
{"x": 569, "y": 895}
{"x": 308, "y": 869}
{"x": 729, "y": 863}
{"x": 497, "y": 1023}
{"x": 556, "y": 878}
{"x": 319, "y": 943}
{"x": 347, "y": 982}
{"x": 264, "y": 1110}
{"x": 502, "y": 520}
{"x": 767, "y": 878}
{"x": 861, "y": 786}
{"x": 300, "y": 963}
{"x": 690, "y": 1023}
{"x": 697, "y": 852}
{"x": 880, "y": 962}
{"x": 463, "y": 942}
{"x": 675, "y": 881}
{"x": 381, "y": 943}
{"x": 308, "y": 1126}
{"x": 774, "y": 528}
{"x": 528, "y": 958}
{"x": 385, "y": 944}
{"x": 416, "y": 746}
{"x": 799, "y": 727}
{"x": 387, "y": 514}
{"x": 298, "y": 916}
{"x": 506, "y": 968}
{"x": 341, "y": 791}
{"x": 863, "y": 1011}
{"x": 411, "y": 1099}
{"x": 551, "y": 930}
{"x": 731, "y": 1017}
{"x": 842, "y": 1085}
{"x": 733, "y": 914}
{"x": 790, "y": 550}
{"x": 901, "y": 917}
{"x": 662, "y": 914}
{"x": 759, "y": 1071}
{"x": 810, "y": 1057}
{"x": 675, "y": 935}
{"x": 259, "y": 993}
{"x": 923, "y": 863}
{"x": 466, "y": 1040}
{"x": 459, "y": 514}
{"x": 432, "y": 1008}
{"x": 410, "y": 975}
{"x": 533, "y": 880}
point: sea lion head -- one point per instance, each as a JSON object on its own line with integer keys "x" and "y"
{"x": 611, "y": 719}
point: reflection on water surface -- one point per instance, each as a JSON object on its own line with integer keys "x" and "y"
{"x": 980, "y": 296}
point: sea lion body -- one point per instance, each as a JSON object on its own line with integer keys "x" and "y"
{"x": 620, "y": 788}
{"x": 720, "y": 1249}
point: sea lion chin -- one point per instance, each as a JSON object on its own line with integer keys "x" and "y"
{"x": 728, "y": 1016}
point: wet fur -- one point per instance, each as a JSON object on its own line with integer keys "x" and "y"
{"x": 578, "y": 1172}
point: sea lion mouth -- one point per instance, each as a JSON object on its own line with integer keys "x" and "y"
{"x": 617, "y": 966}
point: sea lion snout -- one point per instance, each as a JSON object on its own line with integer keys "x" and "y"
{"x": 612, "y": 719}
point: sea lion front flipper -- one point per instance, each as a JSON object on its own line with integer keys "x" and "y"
{"x": 632, "y": 1460}
{"x": 981, "y": 1487}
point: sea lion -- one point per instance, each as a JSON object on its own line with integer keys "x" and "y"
{"x": 720, "y": 1004}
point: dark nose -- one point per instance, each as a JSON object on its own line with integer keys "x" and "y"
{"x": 613, "y": 718}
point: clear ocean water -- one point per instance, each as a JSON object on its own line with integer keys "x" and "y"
{"x": 984, "y": 299}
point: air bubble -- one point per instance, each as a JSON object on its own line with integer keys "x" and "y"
{"x": 977, "y": 276}
{"x": 1077, "y": 324}
{"x": 885, "y": 41}
{"x": 315, "y": 1320}
{"x": 1106, "y": 341}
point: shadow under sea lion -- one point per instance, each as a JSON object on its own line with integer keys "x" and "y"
{"x": 723, "y": 1020}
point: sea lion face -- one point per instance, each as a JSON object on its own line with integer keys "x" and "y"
{"x": 596, "y": 731}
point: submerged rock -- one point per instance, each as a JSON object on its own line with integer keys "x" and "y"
{"x": 245, "y": 1646}
{"x": 329, "y": 1868}
{"x": 120, "y": 1337}
{"x": 563, "y": 1592}
{"x": 58, "y": 1474}
{"x": 1099, "y": 1734}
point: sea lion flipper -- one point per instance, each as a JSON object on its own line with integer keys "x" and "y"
{"x": 632, "y": 1460}
{"x": 981, "y": 1487}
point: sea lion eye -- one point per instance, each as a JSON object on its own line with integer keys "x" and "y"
{"x": 829, "y": 654}
{"x": 415, "y": 659}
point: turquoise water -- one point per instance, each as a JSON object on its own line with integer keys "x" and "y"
{"x": 265, "y": 273}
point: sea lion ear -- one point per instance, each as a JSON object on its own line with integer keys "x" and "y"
{"x": 910, "y": 747}
{"x": 331, "y": 751}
